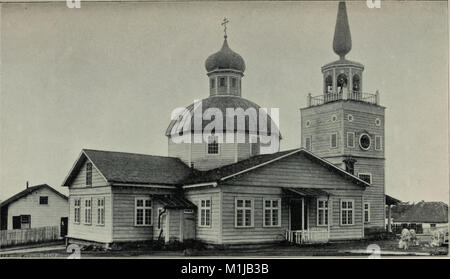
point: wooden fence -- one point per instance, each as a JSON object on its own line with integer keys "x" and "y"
{"x": 25, "y": 236}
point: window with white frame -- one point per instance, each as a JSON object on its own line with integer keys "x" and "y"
{"x": 350, "y": 139}
{"x": 88, "y": 211}
{"x": 378, "y": 143}
{"x": 77, "y": 211}
{"x": 350, "y": 118}
{"x": 100, "y": 211}
{"x": 347, "y": 212}
{"x": 333, "y": 140}
{"x": 205, "y": 213}
{"x": 367, "y": 177}
{"x": 143, "y": 212}
{"x": 366, "y": 212}
{"x": 308, "y": 142}
{"x": 272, "y": 212}
{"x": 243, "y": 213}
{"x": 322, "y": 212}
{"x": 213, "y": 145}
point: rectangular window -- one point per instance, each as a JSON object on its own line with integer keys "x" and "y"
{"x": 43, "y": 200}
{"x": 89, "y": 174}
{"x": 347, "y": 215}
{"x": 378, "y": 143}
{"x": 212, "y": 82}
{"x": 350, "y": 139}
{"x": 88, "y": 211}
{"x": 367, "y": 177}
{"x": 233, "y": 83}
{"x": 222, "y": 82}
{"x": 205, "y": 213}
{"x": 143, "y": 212}
{"x": 243, "y": 213}
{"x": 366, "y": 212}
{"x": 76, "y": 207}
{"x": 308, "y": 142}
{"x": 25, "y": 221}
{"x": 100, "y": 211}
{"x": 213, "y": 145}
{"x": 333, "y": 140}
{"x": 322, "y": 212}
{"x": 272, "y": 212}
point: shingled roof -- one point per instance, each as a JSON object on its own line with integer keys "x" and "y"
{"x": 226, "y": 171}
{"x": 131, "y": 168}
{"x": 30, "y": 190}
{"x": 423, "y": 212}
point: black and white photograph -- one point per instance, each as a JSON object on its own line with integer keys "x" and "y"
{"x": 224, "y": 129}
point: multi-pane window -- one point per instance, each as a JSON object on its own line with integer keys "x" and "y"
{"x": 347, "y": 209}
{"x": 233, "y": 82}
{"x": 367, "y": 177}
{"x": 322, "y": 212}
{"x": 308, "y": 142}
{"x": 350, "y": 139}
{"x": 76, "y": 208}
{"x": 212, "y": 82}
{"x": 222, "y": 82}
{"x": 89, "y": 174}
{"x": 366, "y": 212}
{"x": 100, "y": 211}
{"x": 272, "y": 212}
{"x": 244, "y": 213}
{"x": 205, "y": 213}
{"x": 143, "y": 212}
{"x": 213, "y": 145}
{"x": 43, "y": 200}
{"x": 88, "y": 211}
{"x": 333, "y": 140}
{"x": 378, "y": 143}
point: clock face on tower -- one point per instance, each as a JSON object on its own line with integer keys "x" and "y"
{"x": 364, "y": 141}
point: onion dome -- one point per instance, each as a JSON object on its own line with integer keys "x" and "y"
{"x": 342, "y": 42}
{"x": 225, "y": 59}
{"x": 224, "y": 103}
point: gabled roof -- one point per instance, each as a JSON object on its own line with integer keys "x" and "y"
{"x": 424, "y": 212}
{"x": 131, "y": 168}
{"x": 228, "y": 171}
{"x": 30, "y": 190}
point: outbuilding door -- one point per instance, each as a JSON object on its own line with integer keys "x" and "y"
{"x": 63, "y": 229}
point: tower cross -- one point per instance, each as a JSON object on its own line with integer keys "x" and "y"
{"x": 224, "y": 24}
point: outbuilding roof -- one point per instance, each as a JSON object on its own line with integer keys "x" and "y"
{"x": 28, "y": 191}
{"x": 423, "y": 212}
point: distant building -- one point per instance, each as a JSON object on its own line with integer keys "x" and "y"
{"x": 36, "y": 206}
{"x": 425, "y": 216}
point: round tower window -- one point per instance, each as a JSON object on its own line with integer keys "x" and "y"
{"x": 378, "y": 122}
{"x": 334, "y": 118}
{"x": 350, "y": 118}
{"x": 308, "y": 123}
{"x": 364, "y": 141}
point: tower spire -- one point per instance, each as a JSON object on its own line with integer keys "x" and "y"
{"x": 342, "y": 42}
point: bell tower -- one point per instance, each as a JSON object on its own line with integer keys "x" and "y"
{"x": 345, "y": 125}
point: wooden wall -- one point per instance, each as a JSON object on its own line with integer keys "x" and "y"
{"x": 210, "y": 234}
{"x": 41, "y": 215}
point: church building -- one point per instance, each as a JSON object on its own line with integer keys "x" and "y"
{"x": 225, "y": 193}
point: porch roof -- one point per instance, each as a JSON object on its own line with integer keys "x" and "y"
{"x": 307, "y": 192}
{"x": 174, "y": 202}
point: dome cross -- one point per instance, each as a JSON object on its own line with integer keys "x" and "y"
{"x": 224, "y": 24}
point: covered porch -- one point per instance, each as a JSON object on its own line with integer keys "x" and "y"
{"x": 308, "y": 215}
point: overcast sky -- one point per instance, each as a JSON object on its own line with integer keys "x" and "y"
{"x": 108, "y": 75}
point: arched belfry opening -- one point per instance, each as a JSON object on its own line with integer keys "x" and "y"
{"x": 342, "y": 82}
{"x": 328, "y": 84}
{"x": 356, "y": 84}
